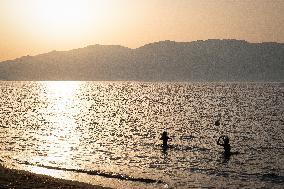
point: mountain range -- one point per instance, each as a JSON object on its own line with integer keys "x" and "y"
{"x": 209, "y": 60}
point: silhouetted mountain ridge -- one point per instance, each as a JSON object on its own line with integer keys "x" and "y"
{"x": 210, "y": 60}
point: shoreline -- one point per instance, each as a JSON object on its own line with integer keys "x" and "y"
{"x": 12, "y": 178}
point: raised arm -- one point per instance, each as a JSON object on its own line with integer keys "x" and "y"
{"x": 218, "y": 141}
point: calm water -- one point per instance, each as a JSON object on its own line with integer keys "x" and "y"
{"x": 108, "y": 132}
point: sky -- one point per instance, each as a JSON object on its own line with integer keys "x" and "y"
{"x": 30, "y": 27}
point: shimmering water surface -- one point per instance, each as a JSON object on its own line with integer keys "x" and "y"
{"x": 108, "y": 132}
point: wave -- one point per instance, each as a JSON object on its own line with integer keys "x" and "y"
{"x": 99, "y": 173}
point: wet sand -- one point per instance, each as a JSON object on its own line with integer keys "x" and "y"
{"x": 10, "y": 178}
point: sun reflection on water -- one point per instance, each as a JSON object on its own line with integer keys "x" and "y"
{"x": 59, "y": 137}
{"x": 44, "y": 171}
{"x": 61, "y": 93}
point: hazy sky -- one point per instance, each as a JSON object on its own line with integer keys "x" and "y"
{"x": 38, "y": 26}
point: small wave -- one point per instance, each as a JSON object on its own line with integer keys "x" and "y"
{"x": 99, "y": 173}
{"x": 187, "y": 148}
{"x": 272, "y": 177}
{"x": 267, "y": 177}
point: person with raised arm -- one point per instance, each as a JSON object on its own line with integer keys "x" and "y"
{"x": 225, "y": 142}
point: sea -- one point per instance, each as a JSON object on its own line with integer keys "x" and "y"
{"x": 108, "y": 133}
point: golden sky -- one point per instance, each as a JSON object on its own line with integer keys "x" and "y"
{"x": 30, "y": 27}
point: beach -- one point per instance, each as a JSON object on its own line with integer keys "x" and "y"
{"x": 11, "y": 178}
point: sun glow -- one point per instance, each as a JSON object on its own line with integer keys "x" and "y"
{"x": 56, "y": 24}
{"x": 63, "y": 17}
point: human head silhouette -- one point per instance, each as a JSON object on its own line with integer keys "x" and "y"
{"x": 226, "y": 140}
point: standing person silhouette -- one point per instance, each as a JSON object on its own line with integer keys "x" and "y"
{"x": 225, "y": 143}
{"x": 165, "y": 139}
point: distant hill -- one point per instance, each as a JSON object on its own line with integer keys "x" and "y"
{"x": 210, "y": 60}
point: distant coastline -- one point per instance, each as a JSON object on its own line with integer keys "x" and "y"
{"x": 211, "y": 60}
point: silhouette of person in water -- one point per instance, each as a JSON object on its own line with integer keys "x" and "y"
{"x": 165, "y": 139}
{"x": 217, "y": 122}
{"x": 225, "y": 143}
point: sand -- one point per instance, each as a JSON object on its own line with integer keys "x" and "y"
{"x": 11, "y": 178}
